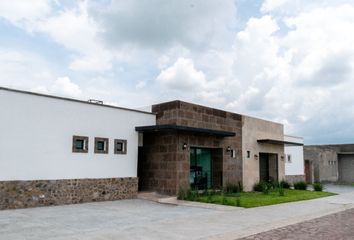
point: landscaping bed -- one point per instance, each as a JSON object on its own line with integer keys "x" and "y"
{"x": 253, "y": 199}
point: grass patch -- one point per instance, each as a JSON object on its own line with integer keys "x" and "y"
{"x": 257, "y": 199}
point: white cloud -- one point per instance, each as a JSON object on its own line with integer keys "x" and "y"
{"x": 182, "y": 75}
{"x": 24, "y": 13}
{"x": 65, "y": 86}
{"x": 292, "y": 62}
{"x": 76, "y": 30}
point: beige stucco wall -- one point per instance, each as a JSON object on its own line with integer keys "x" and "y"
{"x": 252, "y": 130}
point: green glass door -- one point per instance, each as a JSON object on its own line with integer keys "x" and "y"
{"x": 200, "y": 168}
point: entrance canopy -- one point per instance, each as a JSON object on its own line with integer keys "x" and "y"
{"x": 204, "y": 131}
{"x": 279, "y": 142}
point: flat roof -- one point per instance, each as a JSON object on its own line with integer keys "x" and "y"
{"x": 72, "y": 100}
{"x": 279, "y": 142}
{"x": 167, "y": 127}
{"x": 346, "y": 153}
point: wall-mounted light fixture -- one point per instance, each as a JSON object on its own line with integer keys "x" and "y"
{"x": 228, "y": 149}
{"x": 282, "y": 157}
{"x": 256, "y": 156}
{"x": 184, "y": 146}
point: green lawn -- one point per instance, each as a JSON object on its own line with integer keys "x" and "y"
{"x": 257, "y": 199}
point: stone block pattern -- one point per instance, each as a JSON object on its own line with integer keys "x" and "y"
{"x": 294, "y": 178}
{"x": 165, "y": 165}
{"x": 36, "y": 193}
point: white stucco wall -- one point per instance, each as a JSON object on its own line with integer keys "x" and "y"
{"x": 296, "y": 166}
{"x": 36, "y": 138}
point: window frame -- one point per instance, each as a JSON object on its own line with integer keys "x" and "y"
{"x": 289, "y": 158}
{"x": 106, "y": 145}
{"x": 124, "y": 142}
{"x": 85, "y": 140}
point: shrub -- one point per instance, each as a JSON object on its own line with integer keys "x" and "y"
{"x": 317, "y": 186}
{"x": 266, "y": 188}
{"x": 258, "y": 187}
{"x": 240, "y": 187}
{"x": 281, "y": 190}
{"x": 262, "y": 187}
{"x": 284, "y": 184}
{"x": 300, "y": 185}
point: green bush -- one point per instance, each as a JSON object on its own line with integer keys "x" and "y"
{"x": 284, "y": 184}
{"x": 258, "y": 187}
{"x": 262, "y": 187}
{"x": 300, "y": 185}
{"x": 240, "y": 187}
{"x": 317, "y": 186}
{"x": 281, "y": 190}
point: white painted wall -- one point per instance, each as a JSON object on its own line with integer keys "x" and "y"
{"x": 296, "y": 167}
{"x": 36, "y": 138}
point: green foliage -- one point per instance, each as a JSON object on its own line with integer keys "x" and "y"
{"x": 238, "y": 201}
{"x": 255, "y": 199}
{"x": 258, "y": 187}
{"x": 262, "y": 187}
{"x": 281, "y": 190}
{"x": 233, "y": 188}
{"x": 230, "y": 188}
{"x": 224, "y": 200}
{"x": 284, "y": 184}
{"x": 240, "y": 187}
{"x": 317, "y": 186}
{"x": 300, "y": 185}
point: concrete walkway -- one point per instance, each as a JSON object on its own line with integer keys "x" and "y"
{"x": 141, "y": 219}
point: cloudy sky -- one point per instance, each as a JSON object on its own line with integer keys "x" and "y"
{"x": 290, "y": 61}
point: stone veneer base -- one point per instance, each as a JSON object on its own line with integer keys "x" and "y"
{"x": 36, "y": 193}
{"x": 294, "y": 178}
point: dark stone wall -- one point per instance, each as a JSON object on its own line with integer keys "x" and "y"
{"x": 24, "y": 194}
{"x": 158, "y": 165}
{"x": 166, "y": 165}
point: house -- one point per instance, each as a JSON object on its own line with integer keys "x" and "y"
{"x": 330, "y": 163}
{"x": 294, "y": 159}
{"x": 198, "y": 146}
{"x": 57, "y": 150}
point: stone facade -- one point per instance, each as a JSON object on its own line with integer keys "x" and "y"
{"x": 294, "y": 178}
{"x": 23, "y": 194}
{"x": 165, "y": 163}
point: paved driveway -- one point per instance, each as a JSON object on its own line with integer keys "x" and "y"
{"x": 141, "y": 219}
{"x": 334, "y": 226}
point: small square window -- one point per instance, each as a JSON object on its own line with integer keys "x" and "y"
{"x": 289, "y": 158}
{"x": 120, "y": 146}
{"x": 80, "y": 144}
{"x": 101, "y": 145}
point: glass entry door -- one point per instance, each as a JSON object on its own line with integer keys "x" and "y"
{"x": 200, "y": 168}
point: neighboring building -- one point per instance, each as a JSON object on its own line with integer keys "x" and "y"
{"x": 205, "y": 147}
{"x": 59, "y": 151}
{"x": 294, "y": 159}
{"x": 330, "y": 163}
